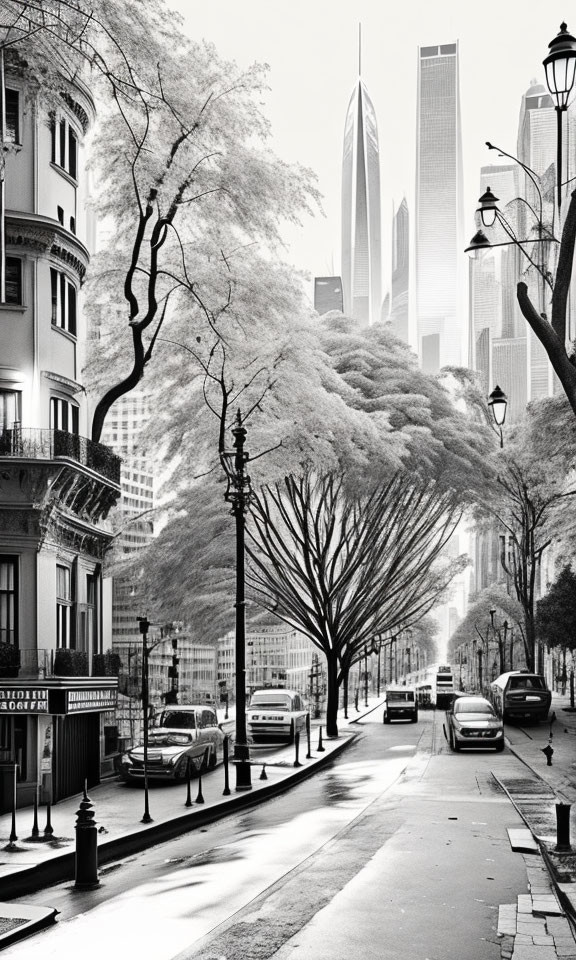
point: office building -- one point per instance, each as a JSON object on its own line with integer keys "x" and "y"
{"x": 440, "y": 281}
{"x": 361, "y": 237}
{"x": 399, "y": 300}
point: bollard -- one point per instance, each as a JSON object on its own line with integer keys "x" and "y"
{"x": 297, "y": 745}
{"x": 48, "y": 829}
{"x": 563, "y": 828}
{"x": 13, "y": 836}
{"x": 320, "y": 748}
{"x": 263, "y": 775}
{"x": 35, "y": 830}
{"x": 226, "y": 790}
{"x": 548, "y": 752}
{"x": 356, "y": 702}
{"x": 309, "y": 754}
{"x": 86, "y": 864}
{"x": 188, "y": 796}
{"x": 200, "y": 798}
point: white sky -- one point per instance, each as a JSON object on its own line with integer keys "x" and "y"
{"x": 312, "y": 49}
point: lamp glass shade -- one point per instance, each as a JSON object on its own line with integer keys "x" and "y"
{"x": 560, "y": 75}
{"x": 498, "y": 403}
{"x": 487, "y": 215}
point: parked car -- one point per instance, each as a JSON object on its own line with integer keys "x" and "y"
{"x": 521, "y": 695}
{"x": 187, "y": 734}
{"x": 473, "y": 722}
{"x": 275, "y": 715}
{"x": 400, "y": 703}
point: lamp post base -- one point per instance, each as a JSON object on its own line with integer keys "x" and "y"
{"x": 243, "y": 767}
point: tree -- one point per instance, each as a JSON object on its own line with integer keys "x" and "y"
{"x": 485, "y": 640}
{"x": 556, "y": 612}
{"x": 185, "y": 177}
{"x": 342, "y": 568}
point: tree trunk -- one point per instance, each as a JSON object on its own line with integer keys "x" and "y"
{"x": 345, "y": 681}
{"x": 332, "y": 696}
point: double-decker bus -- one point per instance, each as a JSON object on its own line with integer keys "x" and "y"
{"x": 444, "y": 687}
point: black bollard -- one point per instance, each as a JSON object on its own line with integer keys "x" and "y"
{"x": 320, "y": 748}
{"x": 35, "y": 831}
{"x": 356, "y": 702}
{"x": 309, "y": 754}
{"x": 188, "y": 796}
{"x": 263, "y": 775}
{"x": 200, "y": 798}
{"x": 297, "y": 746}
{"x": 86, "y": 864}
{"x": 13, "y": 836}
{"x": 563, "y": 828}
{"x": 48, "y": 829}
{"x": 226, "y": 790}
{"x": 548, "y": 752}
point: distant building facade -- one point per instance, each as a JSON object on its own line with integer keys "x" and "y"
{"x": 399, "y": 300}
{"x": 440, "y": 279}
{"x": 328, "y": 294}
{"x": 361, "y": 226}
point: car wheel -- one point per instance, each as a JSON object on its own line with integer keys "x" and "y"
{"x": 415, "y": 718}
{"x": 500, "y": 747}
{"x": 385, "y": 718}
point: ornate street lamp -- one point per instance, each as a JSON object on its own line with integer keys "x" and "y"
{"x": 238, "y": 494}
{"x": 480, "y": 245}
{"x": 498, "y": 402}
{"x": 488, "y": 208}
{"x": 560, "y": 67}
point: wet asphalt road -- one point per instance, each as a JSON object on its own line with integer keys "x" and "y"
{"x": 398, "y": 849}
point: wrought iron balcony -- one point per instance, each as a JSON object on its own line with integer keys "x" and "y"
{"x": 38, "y": 444}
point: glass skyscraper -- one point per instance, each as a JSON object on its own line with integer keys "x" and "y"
{"x": 361, "y": 239}
{"x": 439, "y": 266}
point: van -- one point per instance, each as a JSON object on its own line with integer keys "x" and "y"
{"x": 520, "y": 695}
{"x": 400, "y": 704}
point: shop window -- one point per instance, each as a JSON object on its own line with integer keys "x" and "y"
{"x": 8, "y": 600}
{"x": 110, "y": 740}
{"x": 63, "y": 299}
{"x": 21, "y": 747}
{"x": 13, "y": 280}
{"x": 65, "y": 638}
{"x": 12, "y": 129}
{"x": 63, "y": 415}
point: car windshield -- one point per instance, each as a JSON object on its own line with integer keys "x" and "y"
{"x": 473, "y": 706}
{"x": 399, "y": 696}
{"x": 163, "y": 739}
{"x": 527, "y": 683}
{"x": 271, "y": 701}
{"x": 179, "y": 721}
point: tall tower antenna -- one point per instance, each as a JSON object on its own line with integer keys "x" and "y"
{"x": 359, "y": 49}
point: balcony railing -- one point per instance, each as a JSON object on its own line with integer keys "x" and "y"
{"x": 37, "y": 444}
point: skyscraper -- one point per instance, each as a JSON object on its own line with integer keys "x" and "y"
{"x": 400, "y": 272}
{"x": 440, "y": 270}
{"x": 361, "y": 239}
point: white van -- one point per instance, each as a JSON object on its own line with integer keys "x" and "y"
{"x": 400, "y": 704}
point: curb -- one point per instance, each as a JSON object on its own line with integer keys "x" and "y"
{"x": 61, "y": 868}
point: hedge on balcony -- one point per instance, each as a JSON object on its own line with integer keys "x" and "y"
{"x": 106, "y": 664}
{"x": 9, "y": 660}
{"x": 70, "y": 663}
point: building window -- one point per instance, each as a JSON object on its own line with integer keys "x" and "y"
{"x": 63, "y": 415}
{"x": 64, "y": 151}
{"x": 64, "y": 302}
{"x": 64, "y": 608}
{"x": 9, "y": 408}
{"x": 12, "y": 129}
{"x": 8, "y": 600}
{"x": 60, "y": 215}
{"x": 13, "y": 280}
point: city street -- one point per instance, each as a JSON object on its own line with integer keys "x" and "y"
{"x": 399, "y": 847}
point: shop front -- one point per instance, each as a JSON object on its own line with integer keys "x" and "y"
{"x": 52, "y": 737}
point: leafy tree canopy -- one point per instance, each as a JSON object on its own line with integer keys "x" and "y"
{"x": 556, "y": 612}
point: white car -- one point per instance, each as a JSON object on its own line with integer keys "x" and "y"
{"x": 185, "y": 735}
{"x": 276, "y": 715}
{"x": 472, "y": 722}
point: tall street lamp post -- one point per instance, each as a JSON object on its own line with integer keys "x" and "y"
{"x": 238, "y": 494}
{"x": 560, "y": 67}
{"x": 498, "y": 402}
{"x": 144, "y": 625}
